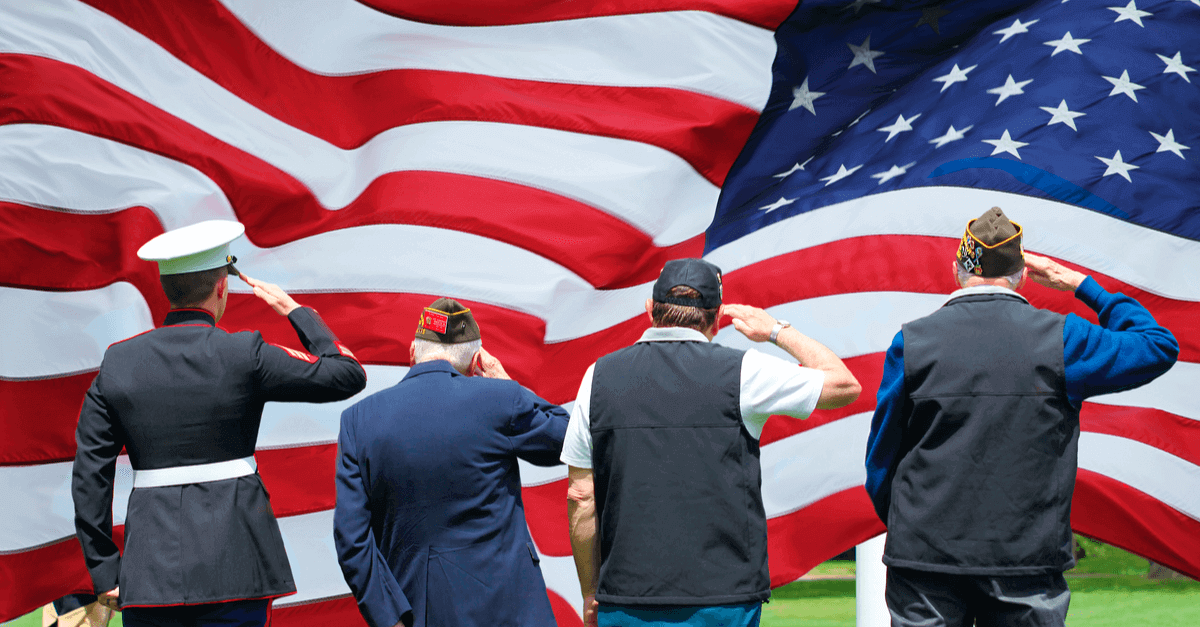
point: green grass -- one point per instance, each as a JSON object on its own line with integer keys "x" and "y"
{"x": 1109, "y": 588}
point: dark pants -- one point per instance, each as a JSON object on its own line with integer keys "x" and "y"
{"x": 232, "y": 614}
{"x": 917, "y": 598}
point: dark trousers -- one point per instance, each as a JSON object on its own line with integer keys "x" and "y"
{"x": 231, "y": 614}
{"x": 917, "y": 598}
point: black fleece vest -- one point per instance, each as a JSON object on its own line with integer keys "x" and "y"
{"x": 985, "y": 487}
{"x": 678, "y": 482}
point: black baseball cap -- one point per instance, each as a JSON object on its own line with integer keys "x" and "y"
{"x": 697, "y": 274}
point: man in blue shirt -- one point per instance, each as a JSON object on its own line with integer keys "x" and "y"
{"x": 973, "y": 449}
{"x": 429, "y": 524}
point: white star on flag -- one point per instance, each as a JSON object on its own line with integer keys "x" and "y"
{"x": 840, "y": 174}
{"x": 802, "y": 97}
{"x": 951, "y": 135}
{"x": 1175, "y": 65}
{"x": 1123, "y": 85}
{"x": 1130, "y": 12}
{"x": 796, "y": 168}
{"x": 1117, "y": 166}
{"x": 1067, "y": 43}
{"x": 1009, "y": 88}
{"x": 899, "y": 126}
{"x": 782, "y": 202}
{"x": 1063, "y": 115}
{"x": 955, "y": 76}
{"x": 863, "y": 55}
{"x": 1167, "y": 143}
{"x": 1006, "y": 144}
{"x": 1016, "y": 29}
{"x": 892, "y": 173}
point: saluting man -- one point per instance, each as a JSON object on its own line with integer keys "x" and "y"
{"x": 429, "y": 525}
{"x": 185, "y": 400}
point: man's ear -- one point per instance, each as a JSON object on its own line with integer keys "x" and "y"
{"x": 412, "y": 353}
{"x": 650, "y": 309}
{"x": 954, "y": 270}
{"x": 222, "y": 285}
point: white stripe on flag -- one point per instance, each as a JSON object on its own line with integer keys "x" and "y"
{"x": 690, "y": 50}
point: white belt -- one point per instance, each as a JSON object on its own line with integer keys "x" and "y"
{"x": 200, "y": 473}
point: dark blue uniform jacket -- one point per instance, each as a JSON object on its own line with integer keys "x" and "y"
{"x": 429, "y": 517}
{"x": 184, "y": 394}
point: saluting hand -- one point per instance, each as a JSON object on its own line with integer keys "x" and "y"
{"x": 272, "y": 294}
{"x": 486, "y": 365}
{"x": 1046, "y": 271}
{"x": 752, "y": 322}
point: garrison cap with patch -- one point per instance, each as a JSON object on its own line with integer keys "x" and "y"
{"x": 446, "y": 321}
{"x": 193, "y": 248}
{"x": 697, "y": 274}
{"x": 991, "y": 246}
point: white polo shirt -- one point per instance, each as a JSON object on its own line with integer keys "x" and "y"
{"x": 770, "y": 385}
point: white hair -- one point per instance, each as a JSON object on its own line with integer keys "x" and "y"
{"x": 459, "y": 355}
{"x": 1014, "y": 279}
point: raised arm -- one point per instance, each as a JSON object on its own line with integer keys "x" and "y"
{"x": 840, "y": 388}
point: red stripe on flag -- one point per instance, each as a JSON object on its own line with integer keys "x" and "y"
{"x": 564, "y": 614}
{"x": 38, "y": 418}
{"x": 347, "y": 111}
{"x": 798, "y": 541}
{"x": 58, "y": 250}
{"x": 546, "y": 514}
{"x": 30, "y": 579}
{"x": 1113, "y": 512}
{"x": 768, "y": 14}
{"x": 299, "y": 479}
{"x": 340, "y": 611}
{"x": 1177, "y": 435}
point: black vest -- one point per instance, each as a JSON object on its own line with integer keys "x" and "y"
{"x": 985, "y": 487}
{"x": 678, "y": 482}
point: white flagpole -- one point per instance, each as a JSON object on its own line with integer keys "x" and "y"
{"x": 870, "y": 577}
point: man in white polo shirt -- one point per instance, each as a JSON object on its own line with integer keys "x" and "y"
{"x": 184, "y": 400}
{"x": 665, "y": 500}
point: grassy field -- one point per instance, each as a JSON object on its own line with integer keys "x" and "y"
{"x": 1109, "y": 588}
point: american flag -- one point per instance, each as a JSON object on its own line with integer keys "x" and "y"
{"x": 540, "y": 161}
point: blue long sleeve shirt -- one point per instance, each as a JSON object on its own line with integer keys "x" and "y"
{"x": 1127, "y": 349}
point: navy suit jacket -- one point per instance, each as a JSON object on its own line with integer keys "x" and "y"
{"x": 429, "y": 517}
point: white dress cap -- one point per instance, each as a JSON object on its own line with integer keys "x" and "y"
{"x": 200, "y": 246}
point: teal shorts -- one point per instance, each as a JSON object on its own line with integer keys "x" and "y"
{"x": 743, "y": 615}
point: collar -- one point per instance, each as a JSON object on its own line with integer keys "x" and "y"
{"x": 672, "y": 334}
{"x": 436, "y": 365}
{"x": 189, "y": 316}
{"x": 984, "y": 289}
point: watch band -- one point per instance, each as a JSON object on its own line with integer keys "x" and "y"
{"x": 780, "y": 325}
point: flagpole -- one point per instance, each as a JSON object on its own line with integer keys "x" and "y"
{"x": 869, "y": 582}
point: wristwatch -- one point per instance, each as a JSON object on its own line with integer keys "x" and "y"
{"x": 780, "y": 325}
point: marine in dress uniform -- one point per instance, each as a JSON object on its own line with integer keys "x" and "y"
{"x": 202, "y": 545}
{"x": 429, "y": 525}
{"x": 973, "y": 449}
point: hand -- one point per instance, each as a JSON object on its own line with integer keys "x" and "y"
{"x": 272, "y": 294}
{"x": 591, "y": 611}
{"x": 752, "y": 322}
{"x": 486, "y": 365}
{"x": 109, "y": 599}
{"x": 1046, "y": 271}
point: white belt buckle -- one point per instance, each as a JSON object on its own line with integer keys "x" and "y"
{"x": 199, "y": 473}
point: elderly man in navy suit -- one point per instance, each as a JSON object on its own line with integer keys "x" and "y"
{"x": 429, "y": 524}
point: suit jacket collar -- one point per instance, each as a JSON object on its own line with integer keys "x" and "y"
{"x": 437, "y": 365}
{"x": 189, "y": 316}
